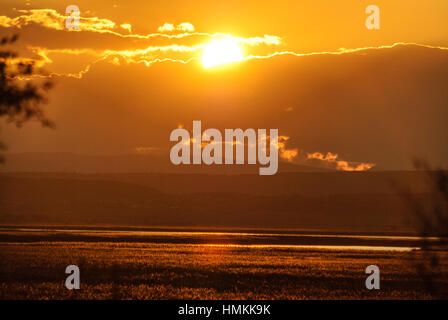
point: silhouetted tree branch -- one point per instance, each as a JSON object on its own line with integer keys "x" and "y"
{"x": 21, "y": 99}
{"x": 431, "y": 213}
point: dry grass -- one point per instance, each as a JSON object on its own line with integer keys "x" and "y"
{"x": 36, "y": 270}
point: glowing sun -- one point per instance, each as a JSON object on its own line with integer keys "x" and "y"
{"x": 221, "y": 51}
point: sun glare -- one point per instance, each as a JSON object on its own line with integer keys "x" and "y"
{"x": 221, "y": 51}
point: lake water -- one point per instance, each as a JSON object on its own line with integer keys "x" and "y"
{"x": 284, "y": 240}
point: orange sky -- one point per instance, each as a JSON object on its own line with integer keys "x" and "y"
{"x": 381, "y": 99}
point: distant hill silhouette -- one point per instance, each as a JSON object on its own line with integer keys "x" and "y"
{"x": 358, "y": 202}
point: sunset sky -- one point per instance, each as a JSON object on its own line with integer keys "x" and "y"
{"x": 342, "y": 96}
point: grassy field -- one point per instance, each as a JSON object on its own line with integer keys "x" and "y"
{"x": 116, "y": 267}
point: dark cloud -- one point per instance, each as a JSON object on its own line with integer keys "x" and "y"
{"x": 382, "y": 106}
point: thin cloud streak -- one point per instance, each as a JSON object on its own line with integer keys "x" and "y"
{"x": 50, "y": 18}
{"x": 140, "y": 56}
